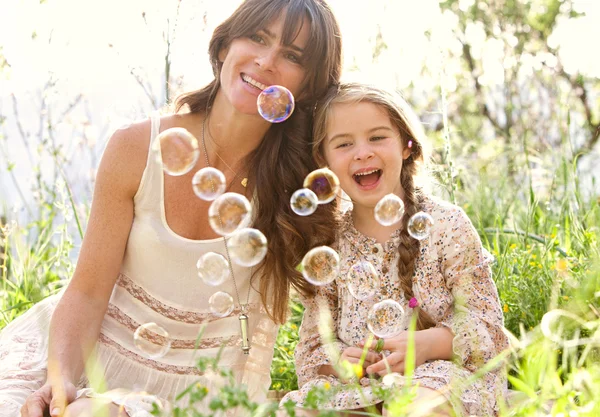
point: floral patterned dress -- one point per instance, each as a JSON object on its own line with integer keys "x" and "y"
{"x": 453, "y": 284}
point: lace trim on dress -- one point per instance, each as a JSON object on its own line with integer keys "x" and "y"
{"x": 149, "y": 363}
{"x": 165, "y": 310}
{"x": 214, "y": 342}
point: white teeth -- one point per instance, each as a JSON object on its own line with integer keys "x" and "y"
{"x": 253, "y": 82}
{"x": 367, "y": 172}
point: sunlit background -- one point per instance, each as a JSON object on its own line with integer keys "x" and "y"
{"x": 72, "y": 71}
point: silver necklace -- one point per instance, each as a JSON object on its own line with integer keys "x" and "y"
{"x": 243, "y": 317}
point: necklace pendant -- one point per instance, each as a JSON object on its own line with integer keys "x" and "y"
{"x": 244, "y": 182}
{"x": 244, "y": 330}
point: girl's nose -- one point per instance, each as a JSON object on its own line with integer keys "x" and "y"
{"x": 363, "y": 153}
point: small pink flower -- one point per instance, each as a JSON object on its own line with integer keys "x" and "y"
{"x": 413, "y": 302}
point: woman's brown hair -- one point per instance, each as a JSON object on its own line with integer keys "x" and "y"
{"x": 278, "y": 166}
{"x": 410, "y": 128}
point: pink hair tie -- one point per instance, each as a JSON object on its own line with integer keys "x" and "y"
{"x": 413, "y": 302}
{"x": 410, "y": 144}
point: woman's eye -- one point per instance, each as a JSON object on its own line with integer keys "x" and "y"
{"x": 257, "y": 38}
{"x": 294, "y": 58}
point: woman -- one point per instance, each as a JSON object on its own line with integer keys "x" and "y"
{"x": 147, "y": 230}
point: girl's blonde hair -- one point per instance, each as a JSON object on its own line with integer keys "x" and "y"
{"x": 413, "y": 168}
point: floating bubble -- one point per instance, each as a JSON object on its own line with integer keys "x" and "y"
{"x": 152, "y": 340}
{"x": 247, "y": 247}
{"x": 393, "y": 380}
{"x": 209, "y": 183}
{"x": 386, "y": 319}
{"x": 213, "y": 268}
{"x": 220, "y": 304}
{"x": 304, "y": 202}
{"x": 362, "y": 280}
{"x": 321, "y": 265}
{"x": 229, "y": 212}
{"x": 419, "y": 225}
{"x": 178, "y": 150}
{"x": 389, "y": 210}
{"x": 561, "y": 326}
{"x": 275, "y": 104}
{"x": 324, "y": 183}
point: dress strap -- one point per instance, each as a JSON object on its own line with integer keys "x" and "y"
{"x": 154, "y": 126}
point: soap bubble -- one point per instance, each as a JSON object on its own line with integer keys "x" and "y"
{"x": 324, "y": 183}
{"x": 386, "y": 319}
{"x": 209, "y": 183}
{"x": 152, "y": 340}
{"x": 362, "y": 280}
{"x": 229, "y": 212}
{"x": 321, "y": 265}
{"x": 220, "y": 304}
{"x": 419, "y": 225}
{"x": 178, "y": 150}
{"x": 275, "y": 104}
{"x": 389, "y": 210}
{"x": 247, "y": 247}
{"x": 304, "y": 202}
{"x": 213, "y": 268}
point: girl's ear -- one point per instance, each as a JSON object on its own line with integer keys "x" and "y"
{"x": 406, "y": 152}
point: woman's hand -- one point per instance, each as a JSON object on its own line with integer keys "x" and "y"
{"x": 49, "y": 398}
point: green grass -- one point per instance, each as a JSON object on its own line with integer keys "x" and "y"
{"x": 546, "y": 247}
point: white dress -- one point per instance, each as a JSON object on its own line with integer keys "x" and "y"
{"x": 158, "y": 283}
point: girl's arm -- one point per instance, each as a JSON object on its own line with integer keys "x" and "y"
{"x": 475, "y": 318}
{"x": 76, "y": 322}
{"x": 313, "y": 355}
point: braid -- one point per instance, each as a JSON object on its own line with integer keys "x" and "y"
{"x": 408, "y": 247}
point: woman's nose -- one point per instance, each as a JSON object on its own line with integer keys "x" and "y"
{"x": 266, "y": 60}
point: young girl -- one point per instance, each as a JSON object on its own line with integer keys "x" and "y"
{"x": 375, "y": 145}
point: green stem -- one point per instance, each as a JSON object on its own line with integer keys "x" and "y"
{"x": 529, "y": 235}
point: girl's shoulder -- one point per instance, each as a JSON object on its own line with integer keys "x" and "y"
{"x": 444, "y": 211}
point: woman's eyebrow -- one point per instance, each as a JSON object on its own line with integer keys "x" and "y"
{"x": 273, "y": 36}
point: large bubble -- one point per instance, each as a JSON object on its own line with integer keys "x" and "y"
{"x": 221, "y": 304}
{"x": 419, "y": 225}
{"x": 213, "y": 268}
{"x": 229, "y": 212}
{"x": 178, "y": 150}
{"x": 275, "y": 104}
{"x": 386, "y": 319}
{"x": 152, "y": 340}
{"x": 304, "y": 202}
{"x": 247, "y": 247}
{"x": 389, "y": 210}
{"x": 324, "y": 183}
{"x": 321, "y": 265}
{"x": 362, "y": 280}
{"x": 208, "y": 183}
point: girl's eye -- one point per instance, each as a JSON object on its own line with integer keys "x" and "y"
{"x": 342, "y": 145}
{"x": 256, "y": 38}
{"x": 375, "y": 138}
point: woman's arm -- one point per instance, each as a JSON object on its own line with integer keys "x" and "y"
{"x": 76, "y": 322}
